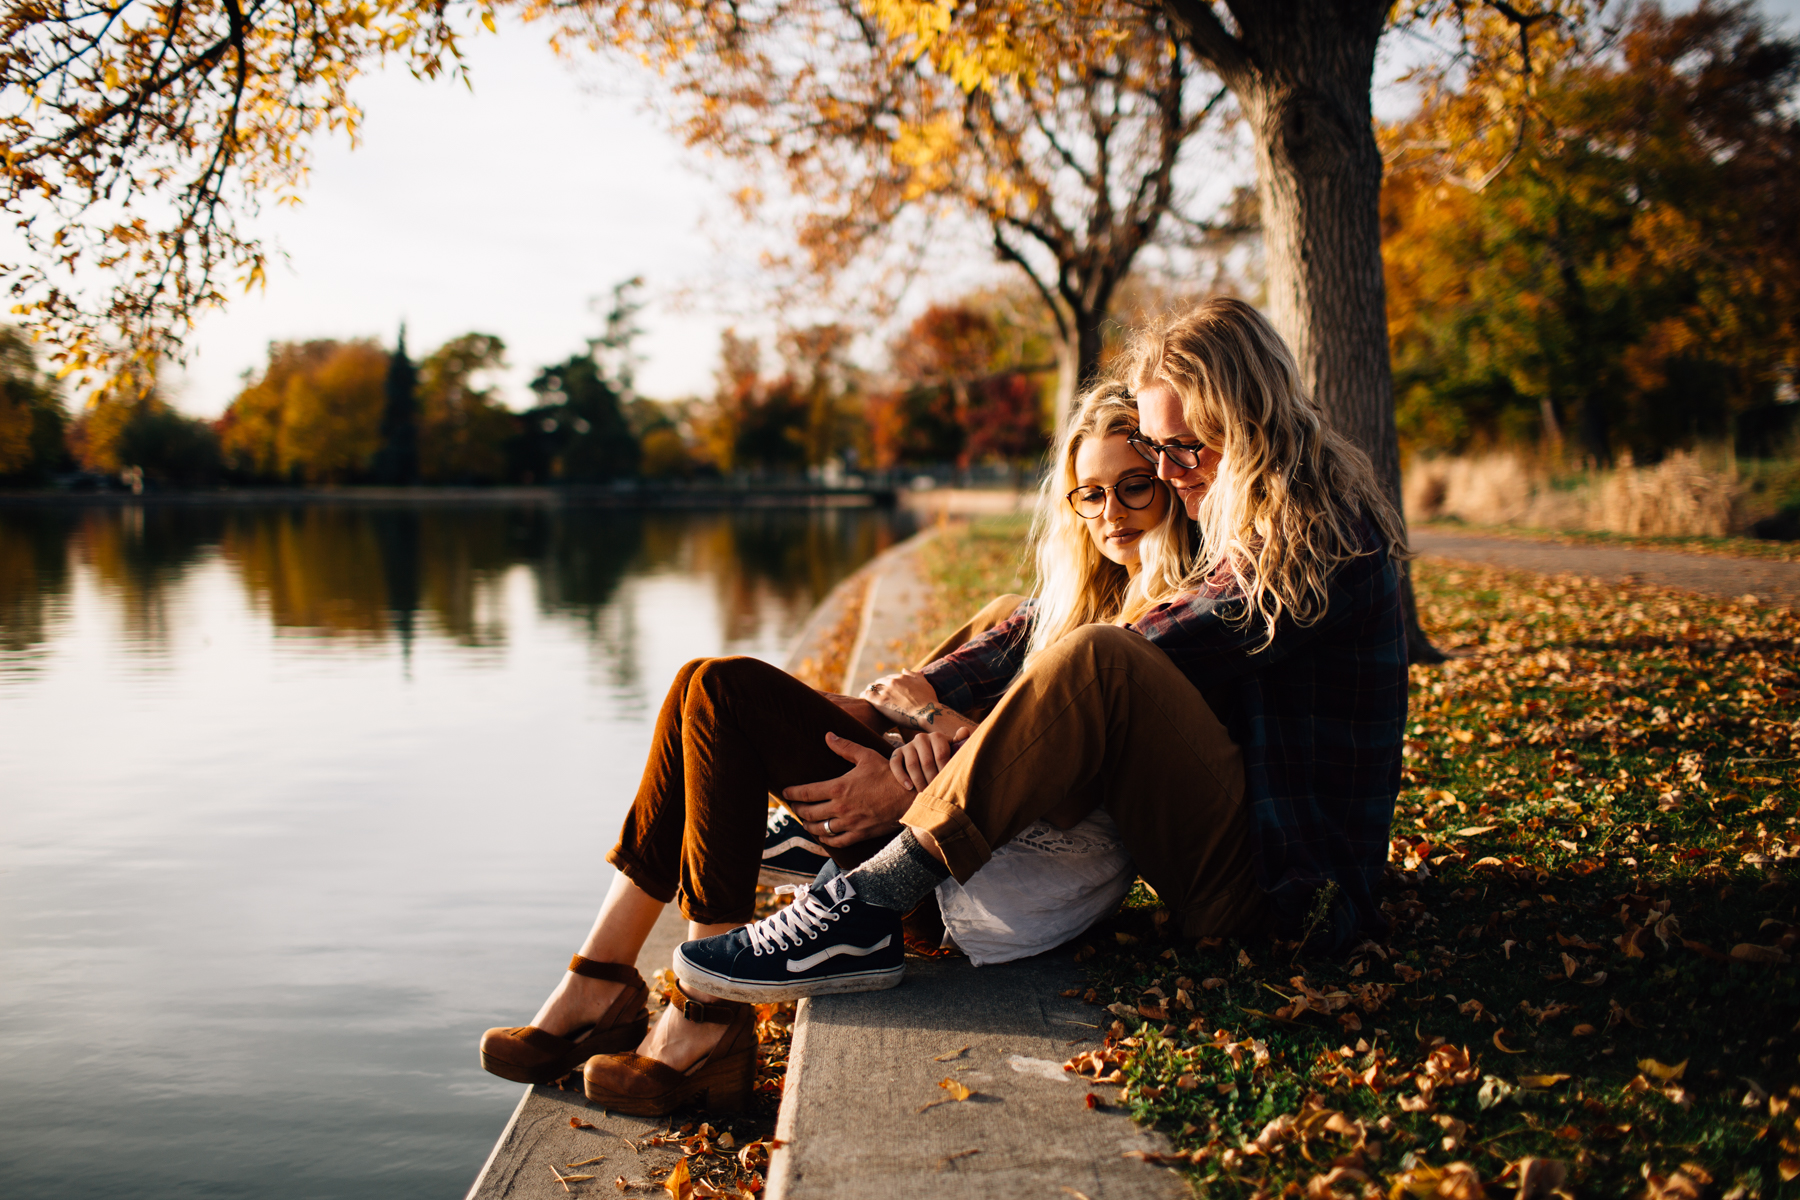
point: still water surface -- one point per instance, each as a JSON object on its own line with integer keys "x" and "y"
{"x": 295, "y": 802}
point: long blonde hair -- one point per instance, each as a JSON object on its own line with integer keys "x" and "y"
{"x": 1283, "y": 512}
{"x": 1077, "y": 585}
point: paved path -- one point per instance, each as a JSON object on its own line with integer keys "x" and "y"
{"x": 1714, "y": 575}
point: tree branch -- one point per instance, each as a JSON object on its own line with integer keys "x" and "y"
{"x": 1208, "y": 38}
{"x": 1004, "y": 251}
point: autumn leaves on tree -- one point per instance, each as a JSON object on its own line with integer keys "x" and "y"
{"x": 1603, "y": 254}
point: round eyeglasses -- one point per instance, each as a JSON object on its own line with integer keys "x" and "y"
{"x": 1181, "y": 457}
{"x": 1133, "y": 491}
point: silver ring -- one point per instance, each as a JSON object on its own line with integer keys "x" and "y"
{"x": 827, "y": 826}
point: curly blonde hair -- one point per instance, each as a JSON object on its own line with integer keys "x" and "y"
{"x": 1077, "y": 585}
{"x": 1283, "y": 512}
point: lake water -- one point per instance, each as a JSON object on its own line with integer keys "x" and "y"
{"x": 295, "y": 802}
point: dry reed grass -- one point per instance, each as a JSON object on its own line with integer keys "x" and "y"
{"x": 1678, "y": 497}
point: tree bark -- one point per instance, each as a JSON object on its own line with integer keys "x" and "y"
{"x": 1302, "y": 70}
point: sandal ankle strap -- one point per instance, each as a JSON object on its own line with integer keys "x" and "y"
{"x": 612, "y": 972}
{"x": 711, "y": 1012}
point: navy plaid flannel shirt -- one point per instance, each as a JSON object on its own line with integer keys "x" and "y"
{"x": 1319, "y": 715}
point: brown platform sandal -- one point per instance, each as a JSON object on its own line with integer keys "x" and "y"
{"x": 722, "y": 1081}
{"x": 527, "y": 1054}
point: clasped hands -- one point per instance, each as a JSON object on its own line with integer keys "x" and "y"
{"x": 868, "y": 800}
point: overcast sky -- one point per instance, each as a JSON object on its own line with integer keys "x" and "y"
{"x": 506, "y": 209}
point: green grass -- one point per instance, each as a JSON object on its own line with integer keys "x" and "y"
{"x": 1594, "y": 921}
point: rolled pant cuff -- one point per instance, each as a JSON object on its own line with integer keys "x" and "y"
{"x": 661, "y": 890}
{"x": 965, "y": 850}
{"x": 647, "y": 881}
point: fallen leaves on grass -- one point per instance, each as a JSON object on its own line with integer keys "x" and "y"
{"x": 1577, "y": 844}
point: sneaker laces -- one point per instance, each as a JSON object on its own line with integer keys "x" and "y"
{"x": 804, "y": 918}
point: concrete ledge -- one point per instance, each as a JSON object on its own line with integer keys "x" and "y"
{"x": 862, "y": 1065}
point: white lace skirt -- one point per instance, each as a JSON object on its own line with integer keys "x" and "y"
{"x": 1039, "y": 890}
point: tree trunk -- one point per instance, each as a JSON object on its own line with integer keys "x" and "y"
{"x": 1302, "y": 70}
{"x": 1077, "y": 362}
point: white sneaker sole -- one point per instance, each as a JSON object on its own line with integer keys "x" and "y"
{"x": 709, "y": 983}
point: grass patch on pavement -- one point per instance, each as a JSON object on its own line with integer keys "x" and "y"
{"x": 967, "y": 565}
{"x": 1590, "y": 980}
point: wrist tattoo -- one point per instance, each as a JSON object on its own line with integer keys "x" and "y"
{"x": 927, "y": 715}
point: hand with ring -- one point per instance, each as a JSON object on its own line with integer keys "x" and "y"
{"x": 865, "y": 802}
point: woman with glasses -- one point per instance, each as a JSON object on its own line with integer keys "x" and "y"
{"x": 1106, "y": 550}
{"x": 1243, "y": 731}
{"x": 1110, "y": 538}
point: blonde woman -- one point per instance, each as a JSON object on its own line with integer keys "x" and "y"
{"x": 1108, "y": 544}
{"x": 732, "y": 730}
{"x": 1265, "y": 807}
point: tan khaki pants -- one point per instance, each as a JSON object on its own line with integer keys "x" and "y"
{"x": 1103, "y": 717}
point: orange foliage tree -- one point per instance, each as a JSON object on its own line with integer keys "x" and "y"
{"x": 962, "y": 396}
{"x": 1613, "y": 258}
{"x": 314, "y": 415}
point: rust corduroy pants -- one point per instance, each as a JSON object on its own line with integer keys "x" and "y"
{"x": 732, "y": 731}
{"x": 1101, "y": 718}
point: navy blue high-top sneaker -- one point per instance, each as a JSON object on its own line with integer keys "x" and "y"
{"x": 790, "y": 854}
{"x": 825, "y": 941}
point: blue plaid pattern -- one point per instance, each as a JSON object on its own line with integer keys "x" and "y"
{"x": 1319, "y": 714}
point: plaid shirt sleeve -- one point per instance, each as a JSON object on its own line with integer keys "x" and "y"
{"x": 976, "y": 674}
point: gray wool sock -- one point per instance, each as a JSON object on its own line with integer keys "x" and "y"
{"x": 901, "y": 874}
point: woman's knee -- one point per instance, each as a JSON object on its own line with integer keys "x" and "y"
{"x": 719, "y": 678}
{"x": 1102, "y": 643}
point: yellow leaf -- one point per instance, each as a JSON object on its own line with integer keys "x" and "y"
{"x": 959, "y": 1092}
{"x": 1502, "y": 1046}
{"x": 679, "y": 1184}
{"x": 487, "y": 19}
{"x": 1540, "y": 1081}
{"x": 949, "y": 1054}
{"x": 1661, "y": 1073}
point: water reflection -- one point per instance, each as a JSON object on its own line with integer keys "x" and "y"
{"x": 294, "y": 801}
{"x": 374, "y": 574}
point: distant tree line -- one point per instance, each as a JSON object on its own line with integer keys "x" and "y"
{"x": 967, "y": 387}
